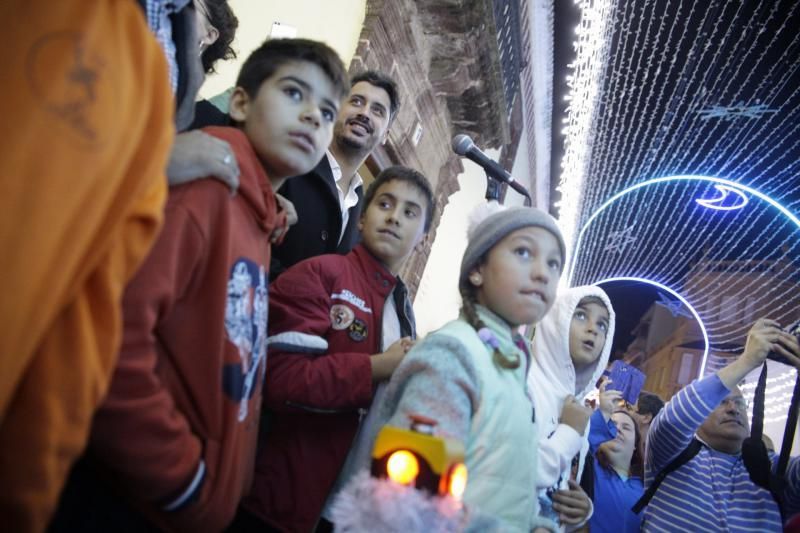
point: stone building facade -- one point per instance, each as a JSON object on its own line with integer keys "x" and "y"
{"x": 446, "y": 58}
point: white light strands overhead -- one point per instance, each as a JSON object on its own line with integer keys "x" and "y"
{"x": 682, "y": 156}
{"x": 593, "y": 38}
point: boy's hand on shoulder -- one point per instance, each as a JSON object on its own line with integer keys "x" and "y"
{"x": 575, "y": 415}
{"x": 384, "y": 364}
{"x": 291, "y": 218}
{"x": 198, "y": 155}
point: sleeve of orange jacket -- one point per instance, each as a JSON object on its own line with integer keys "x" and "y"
{"x": 299, "y": 306}
{"x": 138, "y": 433}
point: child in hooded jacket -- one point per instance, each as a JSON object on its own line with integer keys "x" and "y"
{"x": 173, "y": 444}
{"x": 571, "y": 348}
{"x": 470, "y": 375}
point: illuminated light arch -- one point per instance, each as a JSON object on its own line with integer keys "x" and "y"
{"x": 682, "y": 300}
{"x": 686, "y": 177}
{"x": 689, "y": 177}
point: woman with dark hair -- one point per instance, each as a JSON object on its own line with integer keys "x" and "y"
{"x": 616, "y": 446}
{"x": 218, "y": 25}
{"x": 196, "y": 154}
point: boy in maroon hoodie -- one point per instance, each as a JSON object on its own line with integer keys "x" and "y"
{"x": 176, "y": 436}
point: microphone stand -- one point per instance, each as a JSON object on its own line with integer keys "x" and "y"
{"x": 495, "y": 174}
{"x": 494, "y": 188}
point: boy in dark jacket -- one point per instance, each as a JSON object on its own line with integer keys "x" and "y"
{"x": 339, "y": 326}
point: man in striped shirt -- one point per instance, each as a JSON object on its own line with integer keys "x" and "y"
{"x": 713, "y": 490}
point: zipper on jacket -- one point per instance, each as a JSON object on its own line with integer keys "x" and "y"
{"x": 318, "y": 410}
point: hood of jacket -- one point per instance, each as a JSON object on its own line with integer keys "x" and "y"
{"x": 254, "y": 185}
{"x": 553, "y": 375}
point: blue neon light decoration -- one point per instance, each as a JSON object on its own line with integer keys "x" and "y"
{"x": 674, "y": 308}
{"x": 682, "y": 300}
{"x": 722, "y": 185}
{"x": 667, "y": 179}
{"x": 725, "y": 191}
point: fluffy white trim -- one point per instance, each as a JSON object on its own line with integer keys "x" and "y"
{"x": 370, "y": 504}
{"x": 481, "y": 212}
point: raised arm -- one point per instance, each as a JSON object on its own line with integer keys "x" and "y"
{"x": 601, "y": 428}
{"x": 675, "y": 425}
{"x": 673, "y": 428}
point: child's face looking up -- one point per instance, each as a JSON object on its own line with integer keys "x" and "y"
{"x": 587, "y": 333}
{"x": 290, "y": 120}
{"x": 519, "y": 278}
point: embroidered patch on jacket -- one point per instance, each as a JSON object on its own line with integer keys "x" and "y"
{"x": 348, "y": 296}
{"x": 358, "y": 330}
{"x": 341, "y": 317}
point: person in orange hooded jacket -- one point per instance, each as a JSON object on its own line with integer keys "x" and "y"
{"x": 87, "y": 125}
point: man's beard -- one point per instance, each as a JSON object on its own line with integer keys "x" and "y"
{"x": 354, "y": 147}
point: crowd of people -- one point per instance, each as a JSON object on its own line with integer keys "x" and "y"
{"x": 205, "y": 327}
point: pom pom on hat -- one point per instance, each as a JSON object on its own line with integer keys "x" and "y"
{"x": 481, "y": 212}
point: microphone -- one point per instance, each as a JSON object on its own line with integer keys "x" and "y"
{"x": 463, "y": 146}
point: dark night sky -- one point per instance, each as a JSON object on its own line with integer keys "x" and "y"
{"x": 630, "y": 300}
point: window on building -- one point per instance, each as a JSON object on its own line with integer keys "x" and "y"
{"x": 749, "y": 310}
{"x": 685, "y": 371}
{"x": 729, "y": 309}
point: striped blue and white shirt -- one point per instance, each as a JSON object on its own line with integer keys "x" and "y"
{"x": 713, "y": 491}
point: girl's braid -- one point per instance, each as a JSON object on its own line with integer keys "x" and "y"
{"x": 471, "y": 314}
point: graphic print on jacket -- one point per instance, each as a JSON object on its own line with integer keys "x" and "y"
{"x": 246, "y": 326}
